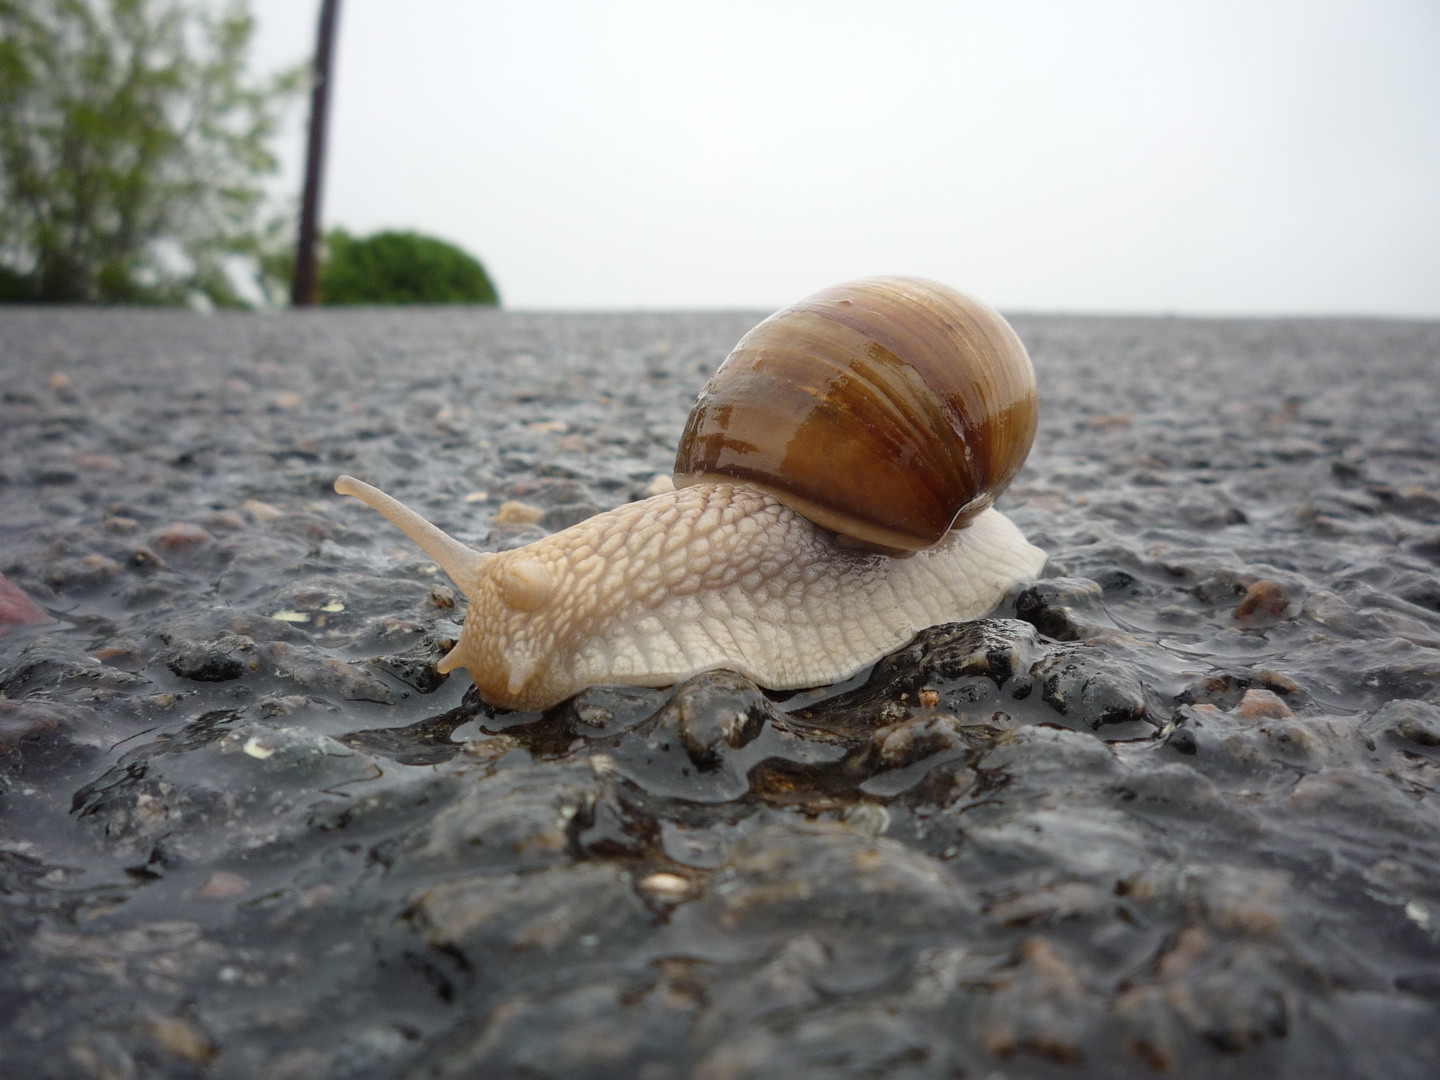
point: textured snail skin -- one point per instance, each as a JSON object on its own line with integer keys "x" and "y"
{"x": 713, "y": 575}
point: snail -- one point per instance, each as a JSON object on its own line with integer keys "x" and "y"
{"x": 833, "y": 498}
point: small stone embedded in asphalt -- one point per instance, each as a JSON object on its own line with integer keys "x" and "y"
{"x": 120, "y": 524}
{"x": 909, "y": 741}
{"x": 714, "y": 708}
{"x": 17, "y": 609}
{"x": 494, "y": 920}
{"x": 260, "y": 511}
{"x": 227, "y": 520}
{"x": 181, "y": 535}
{"x": 1262, "y": 705}
{"x": 1168, "y": 811}
{"x": 666, "y": 888}
{"x": 1066, "y": 609}
{"x": 1414, "y": 721}
{"x": 53, "y": 665}
{"x": 949, "y": 665}
{"x": 1264, "y": 604}
{"x": 222, "y": 885}
{"x": 228, "y": 656}
{"x": 1092, "y": 682}
{"x": 311, "y": 669}
{"x": 1040, "y": 1007}
{"x": 518, "y": 513}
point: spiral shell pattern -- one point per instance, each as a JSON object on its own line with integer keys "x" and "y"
{"x": 887, "y": 410}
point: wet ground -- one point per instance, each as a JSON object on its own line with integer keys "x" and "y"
{"x": 1172, "y": 811}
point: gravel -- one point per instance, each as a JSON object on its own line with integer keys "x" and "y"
{"x": 1172, "y": 810}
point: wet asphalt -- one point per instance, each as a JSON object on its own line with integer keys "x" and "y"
{"x": 1172, "y": 810}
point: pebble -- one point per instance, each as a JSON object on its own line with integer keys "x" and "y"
{"x": 146, "y": 561}
{"x": 909, "y": 741}
{"x": 181, "y": 535}
{"x": 1040, "y": 1008}
{"x": 261, "y": 511}
{"x": 17, "y": 609}
{"x": 52, "y": 665}
{"x": 1093, "y": 683}
{"x": 1416, "y": 722}
{"x": 518, "y": 513}
{"x": 225, "y": 657}
{"x": 119, "y": 649}
{"x": 313, "y": 670}
{"x": 228, "y": 520}
{"x": 491, "y": 919}
{"x": 1262, "y": 705}
{"x": 714, "y": 711}
{"x": 1264, "y": 604}
{"x": 181, "y": 1038}
{"x": 222, "y": 885}
{"x": 666, "y": 888}
{"x": 1066, "y": 609}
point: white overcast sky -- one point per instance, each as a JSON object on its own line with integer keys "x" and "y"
{"x": 1252, "y": 157}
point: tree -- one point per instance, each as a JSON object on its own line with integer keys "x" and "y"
{"x": 401, "y": 268}
{"x": 132, "y": 148}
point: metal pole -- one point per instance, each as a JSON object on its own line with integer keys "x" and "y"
{"x": 304, "y": 289}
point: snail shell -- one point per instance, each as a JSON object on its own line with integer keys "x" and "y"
{"x": 747, "y": 569}
{"x": 887, "y": 410}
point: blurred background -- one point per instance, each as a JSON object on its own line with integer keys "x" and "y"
{"x": 1267, "y": 157}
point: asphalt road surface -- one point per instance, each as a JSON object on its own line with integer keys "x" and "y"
{"x": 1171, "y": 811}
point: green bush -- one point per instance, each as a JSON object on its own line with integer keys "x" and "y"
{"x": 132, "y": 147}
{"x": 401, "y": 268}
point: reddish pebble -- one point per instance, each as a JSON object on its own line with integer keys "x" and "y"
{"x": 223, "y": 885}
{"x": 17, "y": 609}
{"x": 181, "y": 535}
{"x": 124, "y": 650}
{"x": 1264, "y": 604}
{"x": 1263, "y": 705}
{"x": 226, "y": 519}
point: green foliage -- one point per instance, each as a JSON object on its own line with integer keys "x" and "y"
{"x": 132, "y": 144}
{"x": 401, "y": 268}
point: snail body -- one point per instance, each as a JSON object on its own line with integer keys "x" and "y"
{"x": 711, "y": 575}
{"x": 742, "y": 567}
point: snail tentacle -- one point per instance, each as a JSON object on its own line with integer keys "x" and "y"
{"x": 461, "y": 563}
